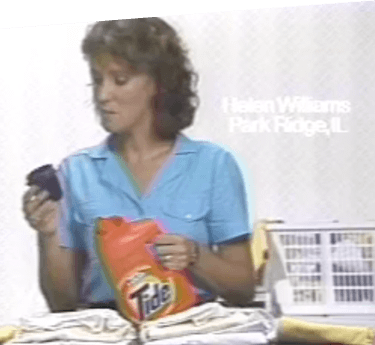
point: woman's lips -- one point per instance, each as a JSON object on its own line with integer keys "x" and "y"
{"x": 108, "y": 114}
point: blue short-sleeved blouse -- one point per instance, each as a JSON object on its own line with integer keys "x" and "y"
{"x": 199, "y": 193}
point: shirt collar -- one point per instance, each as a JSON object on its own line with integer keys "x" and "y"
{"x": 184, "y": 145}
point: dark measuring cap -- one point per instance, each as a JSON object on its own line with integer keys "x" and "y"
{"x": 45, "y": 178}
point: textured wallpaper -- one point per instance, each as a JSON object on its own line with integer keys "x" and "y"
{"x": 290, "y": 91}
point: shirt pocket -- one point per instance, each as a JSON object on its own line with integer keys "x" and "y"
{"x": 89, "y": 212}
{"x": 188, "y": 209}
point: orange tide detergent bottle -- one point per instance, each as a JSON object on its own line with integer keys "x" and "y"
{"x": 144, "y": 289}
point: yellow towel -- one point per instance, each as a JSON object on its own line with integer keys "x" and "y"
{"x": 298, "y": 330}
{"x": 7, "y": 333}
{"x": 259, "y": 249}
{"x": 259, "y": 245}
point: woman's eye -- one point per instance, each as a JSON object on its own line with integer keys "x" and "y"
{"x": 96, "y": 80}
{"x": 121, "y": 80}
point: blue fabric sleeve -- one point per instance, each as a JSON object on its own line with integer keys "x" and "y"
{"x": 70, "y": 231}
{"x": 228, "y": 219}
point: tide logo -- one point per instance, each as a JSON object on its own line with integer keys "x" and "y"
{"x": 152, "y": 297}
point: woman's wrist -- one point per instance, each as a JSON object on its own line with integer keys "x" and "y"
{"x": 48, "y": 235}
{"x": 195, "y": 253}
{"x": 48, "y": 239}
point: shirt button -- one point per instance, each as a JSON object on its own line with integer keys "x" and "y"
{"x": 188, "y": 216}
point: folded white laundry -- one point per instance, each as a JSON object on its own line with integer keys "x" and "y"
{"x": 198, "y": 315}
{"x": 211, "y": 318}
{"x": 93, "y": 325}
{"x": 209, "y": 323}
{"x": 255, "y": 338}
{"x": 188, "y": 328}
{"x": 257, "y": 321}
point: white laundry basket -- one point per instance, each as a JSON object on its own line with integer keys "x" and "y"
{"x": 329, "y": 268}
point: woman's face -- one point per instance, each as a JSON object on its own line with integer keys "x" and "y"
{"x": 124, "y": 96}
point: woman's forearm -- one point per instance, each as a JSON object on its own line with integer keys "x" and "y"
{"x": 231, "y": 280}
{"x": 57, "y": 278}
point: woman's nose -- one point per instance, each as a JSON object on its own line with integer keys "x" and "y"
{"x": 104, "y": 92}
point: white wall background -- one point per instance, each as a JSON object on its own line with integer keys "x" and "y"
{"x": 324, "y": 52}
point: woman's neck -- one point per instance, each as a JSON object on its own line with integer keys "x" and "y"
{"x": 141, "y": 146}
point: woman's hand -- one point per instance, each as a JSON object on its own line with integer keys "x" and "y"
{"x": 176, "y": 252}
{"x": 228, "y": 273}
{"x": 40, "y": 212}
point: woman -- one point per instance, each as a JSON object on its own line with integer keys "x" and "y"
{"x": 143, "y": 89}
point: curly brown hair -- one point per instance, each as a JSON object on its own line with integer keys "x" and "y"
{"x": 152, "y": 45}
